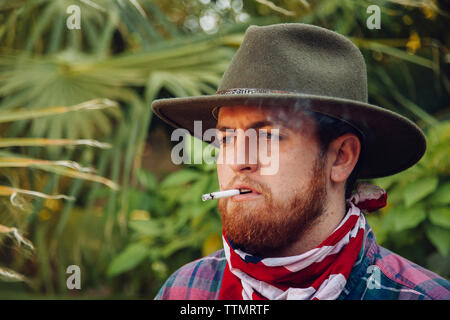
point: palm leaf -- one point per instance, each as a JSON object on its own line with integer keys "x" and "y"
{"x": 52, "y": 111}
{"x": 16, "y": 235}
{"x": 63, "y": 167}
{"x": 9, "y": 275}
{"x": 397, "y": 53}
{"x": 42, "y": 142}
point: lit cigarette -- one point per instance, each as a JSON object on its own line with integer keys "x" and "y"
{"x": 224, "y": 194}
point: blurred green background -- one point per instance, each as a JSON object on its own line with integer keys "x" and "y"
{"x": 85, "y": 169}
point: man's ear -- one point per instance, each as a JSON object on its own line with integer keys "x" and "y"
{"x": 346, "y": 150}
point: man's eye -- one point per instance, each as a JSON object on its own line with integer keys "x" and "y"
{"x": 226, "y": 139}
{"x": 267, "y": 135}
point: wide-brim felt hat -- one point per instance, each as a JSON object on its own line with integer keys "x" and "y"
{"x": 310, "y": 68}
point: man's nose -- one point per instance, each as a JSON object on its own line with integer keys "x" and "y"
{"x": 245, "y": 155}
{"x": 244, "y": 168}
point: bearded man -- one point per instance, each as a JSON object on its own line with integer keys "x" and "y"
{"x": 300, "y": 233}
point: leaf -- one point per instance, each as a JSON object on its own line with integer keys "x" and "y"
{"x": 407, "y": 218}
{"x": 59, "y": 167}
{"x": 195, "y": 191}
{"x": 419, "y": 189}
{"x": 395, "y": 194}
{"x": 441, "y": 195}
{"x": 192, "y": 240}
{"x": 133, "y": 255}
{"x": 10, "y": 191}
{"x": 52, "y": 111}
{"x": 9, "y": 275}
{"x": 37, "y": 142}
{"x": 440, "y": 216}
{"x": 400, "y": 54}
{"x": 147, "y": 179}
{"x": 17, "y": 235}
{"x": 148, "y": 228}
{"x": 385, "y": 182}
{"x": 180, "y": 177}
{"x": 276, "y": 8}
{"x": 439, "y": 237}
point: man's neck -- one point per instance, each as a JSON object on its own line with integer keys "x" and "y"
{"x": 319, "y": 230}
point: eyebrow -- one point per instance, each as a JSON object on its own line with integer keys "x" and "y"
{"x": 254, "y": 125}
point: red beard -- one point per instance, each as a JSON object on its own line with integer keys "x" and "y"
{"x": 268, "y": 230}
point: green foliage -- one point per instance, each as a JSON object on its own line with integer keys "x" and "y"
{"x": 14, "y": 198}
{"x": 416, "y": 222}
{"x": 128, "y": 259}
{"x": 418, "y": 190}
{"x": 126, "y": 51}
{"x": 170, "y": 224}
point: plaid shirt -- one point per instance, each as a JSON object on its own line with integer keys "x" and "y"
{"x": 378, "y": 274}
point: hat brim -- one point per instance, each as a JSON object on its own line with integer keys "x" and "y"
{"x": 392, "y": 143}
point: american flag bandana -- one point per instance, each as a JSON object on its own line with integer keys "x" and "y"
{"x": 318, "y": 274}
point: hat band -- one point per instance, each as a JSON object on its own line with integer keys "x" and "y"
{"x": 251, "y": 91}
{"x": 215, "y": 111}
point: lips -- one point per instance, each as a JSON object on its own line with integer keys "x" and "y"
{"x": 245, "y": 187}
{"x": 247, "y": 195}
